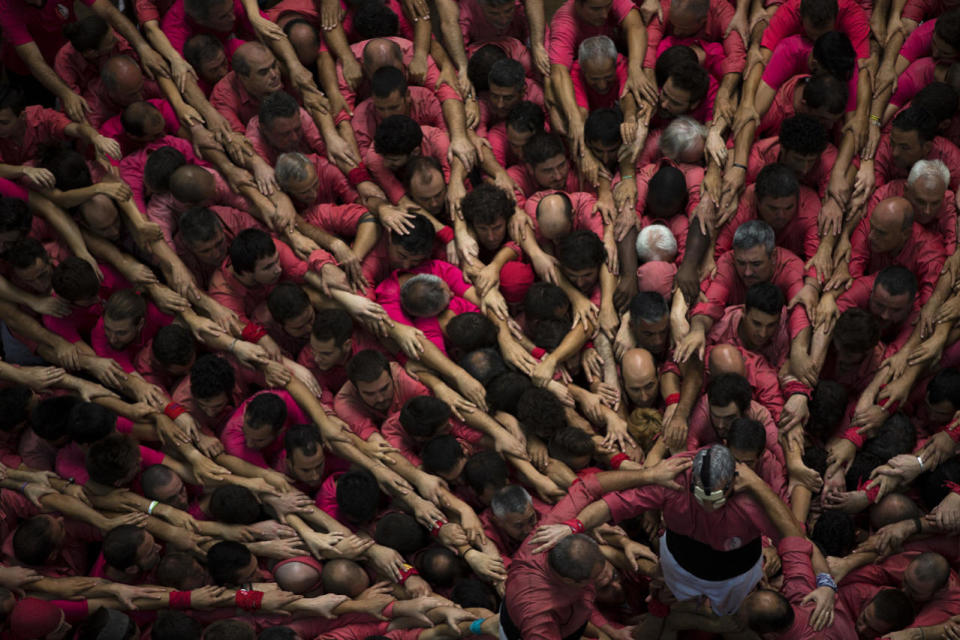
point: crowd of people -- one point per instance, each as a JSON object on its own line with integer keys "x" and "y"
{"x": 427, "y": 319}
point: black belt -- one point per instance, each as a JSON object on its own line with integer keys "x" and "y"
{"x": 706, "y": 563}
{"x": 513, "y": 632}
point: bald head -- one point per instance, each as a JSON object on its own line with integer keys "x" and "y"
{"x": 246, "y": 54}
{"x": 925, "y": 576}
{"x": 381, "y": 52}
{"x": 345, "y": 577}
{"x": 122, "y": 79}
{"x": 257, "y": 69}
{"x": 101, "y": 217}
{"x": 894, "y": 211}
{"x": 726, "y": 358}
{"x": 639, "y": 373}
{"x": 192, "y": 184}
{"x": 297, "y": 577}
{"x": 890, "y": 225}
{"x": 555, "y": 216}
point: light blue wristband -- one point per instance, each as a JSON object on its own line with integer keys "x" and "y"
{"x": 475, "y": 626}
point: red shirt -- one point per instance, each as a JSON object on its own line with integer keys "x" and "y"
{"x": 364, "y": 420}
{"x": 42, "y": 126}
{"x": 726, "y": 288}
{"x": 476, "y": 27}
{"x": 919, "y": 43}
{"x": 113, "y": 128}
{"x": 212, "y": 425}
{"x": 153, "y": 322}
{"x": 506, "y": 545}
{"x": 233, "y": 102}
{"x": 529, "y": 186}
{"x": 767, "y": 151}
{"x": 702, "y": 433}
{"x": 148, "y": 10}
{"x": 798, "y": 582}
{"x": 341, "y": 220}
{"x": 851, "y": 20}
{"x": 233, "y": 222}
{"x": 942, "y": 149}
{"x": 514, "y": 49}
{"x": 727, "y": 331}
{"x": 588, "y": 98}
{"x": 858, "y": 296}
{"x": 435, "y": 143}
{"x": 81, "y": 320}
{"x": 538, "y": 602}
{"x": 165, "y": 210}
{"x": 394, "y": 433}
{"x": 791, "y": 58}
{"x": 920, "y": 10}
{"x": 103, "y": 107}
{"x": 132, "y": 167}
{"x": 333, "y": 379}
{"x": 718, "y": 21}
{"x": 76, "y": 71}
{"x": 228, "y": 291}
{"x": 425, "y": 110}
{"x": 179, "y": 27}
{"x": 234, "y": 442}
{"x": 943, "y": 226}
{"x": 22, "y": 23}
{"x": 918, "y": 75}
{"x": 799, "y": 236}
{"x": 310, "y": 140}
{"x": 738, "y": 522}
{"x": 567, "y": 31}
{"x": 923, "y": 254}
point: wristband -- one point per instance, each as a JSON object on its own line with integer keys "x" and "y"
{"x": 574, "y": 524}
{"x": 476, "y": 627}
{"x": 387, "y": 611}
{"x": 174, "y": 410}
{"x": 740, "y": 166}
{"x": 23, "y": 487}
{"x": 153, "y": 505}
{"x": 248, "y": 600}
{"x": 253, "y": 332}
{"x": 407, "y": 571}
{"x": 826, "y": 580}
{"x": 953, "y": 487}
{"x": 622, "y": 178}
{"x": 920, "y": 460}
{"x": 673, "y": 398}
{"x": 445, "y": 235}
{"x": 538, "y": 352}
{"x": 435, "y": 531}
{"x": 657, "y": 609}
{"x": 588, "y": 345}
{"x": 179, "y": 599}
{"x": 618, "y": 460}
{"x": 853, "y": 436}
{"x": 875, "y": 118}
{"x": 358, "y": 175}
{"x": 954, "y": 431}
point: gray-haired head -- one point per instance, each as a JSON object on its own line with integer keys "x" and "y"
{"x": 292, "y": 167}
{"x": 575, "y": 557}
{"x": 511, "y": 499}
{"x": 424, "y": 295}
{"x": 656, "y": 242}
{"x": 595, "y": 49}
{"x": 929, "y": 170}
{"x": 719, "y": 473}
{"x": 680, "y": 136}
{"x": 754, "y": 233}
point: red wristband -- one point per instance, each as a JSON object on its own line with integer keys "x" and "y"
{"x": 248, "y": 600}
{"x": 892, "y": 409}
{"x": 253, "y": 332}
{"x": 953, "y": 431}
{"x": 407, "y": 571}
{"x": 618, "y": 460}
{"x": 387, "y": 611}
{"x": 538, "y": 352}
{"x": 952, "y": 486}
{"x": 575, "y": 524}
{"x": 358, "y": 175}
{"x": 588, "y": 345}
{"x": 854, "y": 436}
{"x": 174, "y": 411}
{"x": 445, "y": 235}
{"x": 179, "y": 599}
{"x": 435, "y": 531}
{"x": 673, "y": 398}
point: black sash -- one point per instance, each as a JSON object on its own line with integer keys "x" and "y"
{"x": 513, "y": 632}
{"x": 707, "y": 563}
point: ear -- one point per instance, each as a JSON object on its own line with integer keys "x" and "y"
{"x": 347, "y": 345}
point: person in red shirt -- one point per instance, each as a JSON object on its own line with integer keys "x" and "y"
{"x": 255, "y": 75}
{"x": 282, "y": 126}
{"x": 511, "y": 518}
{"x": 311, "y": 180}
{"x": 485, "y": 20}
{"x": 934, "y": 205}
{"x": 803, "y": 146}
{"x": 638, "y": 372}
{"x": 759, "y": 325}
{"x": 813, "y": 20}
{"x": 209, "y": 59}
{"x": 507, "y": 86}
{"x": 127, "y": 324}
{"x": 509, "y": 137}
{"x": 24, "y": 130}
{"x": 397, "y": 139}
{"x": 790, "y": 209}
{"x": 821, "y": 96}
{"x": 91, "y": 43}
{"x": 598, "y": 75}
{"x": 375, "y": 389}
{"x": 333, "y": 342}
{"x": 254, "y": 433}
{"x": 912, "y": 138}
{"x": 204, "y": 236}
{"x": 121, "y": 83}
{"x": 890, "y": 236}
{"x": 392, "y": 95}
{"x": 545, "y": 166}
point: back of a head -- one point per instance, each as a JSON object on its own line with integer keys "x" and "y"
{"x": 468, "y": 332}
{"x": 570, "y": 445}
{"x": 233, "y": 504}
{"x": 287, "y": 301}
{"x": 343, "y": 576}
{"x": 944, "y": 386}
{"x": 229, "y": 630}
{"x": 358, "y": 496}
{"x": 824, "y": 91}
{"x": 776, "y": 181}
{"x": 50, "y": 417}
{"x": 210, "y": 376}
{"x": 108, "y": 624}
{"x": 803, "y": 134}
{"x": 367, "y": 366}
{"x": 373, "y": 19}
{"x": 68, "y": 167}
{"x": 386, "y": 81}
{"x": 400, "y": 532}
{"x": 895, "y": 436}
{"x": 161, "y": 164}
{"x": 582, "y": 249}
{"x": 575, "y": 557}
{"x": 542, "y": 146}
{"x": 174, "y": 345}
{"x": 713, "y": 468}
{"x": 480, "y": 63}
{"x": 767, "y": 611}
{"x": 507, "y": 72}
{"x": 766, "y": 297}
{"x": 947, "y": 28}
{"x": 648, "y": 306}
{"x": 266, "y": 409}
{"x": 90, "y": 422}
{"x": 125, "y": 304}
{"x": 439, "y": 566}
{"x": 504, "y": 391}
{"x": 511, "y": 499}
{"x": 397, "y": 135}
{"x": 424, "y": 296}
{"x": 893, "y": 507}
{"x": 834, "y": 52}
{"x": 11, "y": 97}
{"x": 819, "y": 12}
{"x": 248, "y": 247}
{"x": 87, "y": 33}
{"x": 422, "y": 416}
{"x": 667, "y": 190}
{"x": 671, "y": 58}
{"x": 746, "y": 434}
{"x": 828, "y": 403}
{"x": 278, "y": 104}
{"x": 834, "y": 533}
{"x": 539, "y": 411}
{"x": 856, "y": 330}
{"x": 441, "y": 455}
{"x": 729, "y": 387}
{"x": 938, "y": 98}
{"x": 485, "y": 470}
{"x": 919, "y": 120}
{"x": 893, "y": 607}
{"x": 74, "y": 280}
{"x": 419, "y": 238}
{"x": 487, "y": 204}
{"x": 483, "y": 364}
{"x": 542, "y": 300}
{"x": 603, "y": 126}
{"x": 656, "y": 243}
{"x": 526, "y": 117}
{"x": 225, "y": 560}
